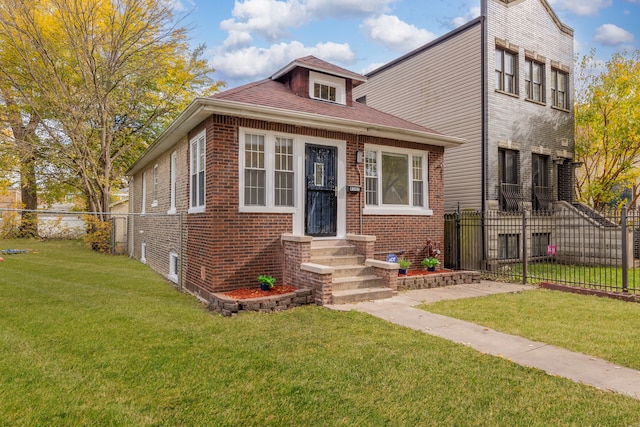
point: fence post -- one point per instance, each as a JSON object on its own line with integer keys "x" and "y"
{"x": 458, "y": 240}
{"x": 625, "y": 251}
{"x": 524, "y": 246}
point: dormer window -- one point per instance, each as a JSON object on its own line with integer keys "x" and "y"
{"x": 327, "y": 88}
{"x": 325, "y": 92}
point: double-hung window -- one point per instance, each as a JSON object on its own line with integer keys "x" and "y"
{"x": 267, "y": 165}
{"x": 254, "y": 170}
{"x": 283, "y": 172}
{"x": 197, "y": 172}
{"x": 172, "y": 183}
{"x": 506, "y": 65}
{"x": 559, "y": 86}
{"x": 154, "y": 203}
{"x": 395, "y": 181}
{"x": 534, "y": 80}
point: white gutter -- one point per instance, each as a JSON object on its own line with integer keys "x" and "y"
{"x": 201, "y": 108}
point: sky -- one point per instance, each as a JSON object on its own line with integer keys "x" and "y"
{"x": 248, "y": 40}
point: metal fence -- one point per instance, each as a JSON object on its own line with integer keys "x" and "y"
{"x": 55, "y": 224}
{"x": 569, "y": 244}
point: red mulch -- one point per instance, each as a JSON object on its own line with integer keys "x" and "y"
{"x": 413, "y": 273}
{"x": 246, "y": 293}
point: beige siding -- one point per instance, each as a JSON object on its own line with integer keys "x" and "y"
{"x": 441, "y": 88}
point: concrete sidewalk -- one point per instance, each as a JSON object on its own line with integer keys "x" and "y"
{"x": 553, "y": 360}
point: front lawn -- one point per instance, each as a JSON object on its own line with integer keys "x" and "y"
{"x": 602, "y": 327}
{"x": 89, "y": 339}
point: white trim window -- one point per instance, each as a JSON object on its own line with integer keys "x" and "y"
{"x": 198, "y": 148}
{"x": 327, "y": 88}
{"x": 174, "y": 266}
{"x": 172, "y": 183}
{"x": 283, "y": 172}
{"x": 267, "y": 172}
{"x": 396, "y": 181}
{"x": 143, "y": 208}
{"x": 154, "y": 203}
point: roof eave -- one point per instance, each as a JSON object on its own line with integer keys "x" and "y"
{"x": 201, "y": 108}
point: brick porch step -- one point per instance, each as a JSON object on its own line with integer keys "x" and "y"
{"x": 359, "y": 282}
{"x": 358, "y": 295}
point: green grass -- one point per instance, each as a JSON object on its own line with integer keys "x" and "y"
{"x": 600, "y": 277}
{"x": 602, "y": 327}
{"x": 88, "y": 339}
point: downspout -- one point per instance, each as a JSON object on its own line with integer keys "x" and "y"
{"x": 360, "y": 183}
{"x": 131, "y": 219}
{"x": 485, "y": 106}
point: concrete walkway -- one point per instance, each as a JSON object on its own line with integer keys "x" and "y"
{"x": 553, "y": 360}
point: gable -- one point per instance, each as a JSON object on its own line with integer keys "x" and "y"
{"x": 562, "y": 27}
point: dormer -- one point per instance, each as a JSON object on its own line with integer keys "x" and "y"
{"x": 313, "y": 78}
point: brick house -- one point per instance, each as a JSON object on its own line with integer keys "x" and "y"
{"x": 274, "y": 176}
{"x": 503, "y": 83}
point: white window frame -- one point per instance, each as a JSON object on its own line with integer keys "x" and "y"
{"x": 173, "y": 266}
{"x": 338, "y": 83}
{"x": 154, "y": 192}
{"x": 269, "y": 167}
{"x": 201, "y": 157}
{"x": 143, "y": 208}
{"x": 409, "y": 209}
{"x": 172, "y": 183}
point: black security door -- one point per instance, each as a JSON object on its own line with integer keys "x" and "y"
{"x": 321, "y": 202}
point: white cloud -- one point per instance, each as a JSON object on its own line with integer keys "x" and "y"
{"x": 582, "y": 7}
{"x": 395, "y": 34}
{"x": 270, "y": 19}
{"x": 252, "y": 63}
{"x": 612, "y": 35}
{"x": 473, "y": 13}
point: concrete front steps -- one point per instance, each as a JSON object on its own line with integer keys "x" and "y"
{"x": 353, "y": 281}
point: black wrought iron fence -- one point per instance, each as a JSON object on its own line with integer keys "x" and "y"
{"x": 569, "y": 244}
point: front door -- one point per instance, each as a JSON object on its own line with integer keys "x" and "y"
{"x": 321, "y": 207}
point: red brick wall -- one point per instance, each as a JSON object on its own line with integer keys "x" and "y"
{"x": 226, "y": 249}
{"x": 398, "y": 233}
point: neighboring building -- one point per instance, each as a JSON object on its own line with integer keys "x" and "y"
{"x": 260, "y": 179}
{"x": 10, "y": 199}
{"x": 503, "y": 82}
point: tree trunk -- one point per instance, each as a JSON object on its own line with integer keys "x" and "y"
{"x": 29, "y": 194}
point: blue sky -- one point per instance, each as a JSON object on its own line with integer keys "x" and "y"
{"x": 248, "y": 40}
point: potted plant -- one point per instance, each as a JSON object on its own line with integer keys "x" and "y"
{"x": 404, "y": 264}
{"x": 266, "y": 282}
{"x": 431, "y": 263}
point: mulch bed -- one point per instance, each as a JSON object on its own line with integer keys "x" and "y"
{"x": 413, "y": 273}
{"x": 246, "y": 293}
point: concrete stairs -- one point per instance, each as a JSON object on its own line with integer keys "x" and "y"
{"x": 353, "y": 281}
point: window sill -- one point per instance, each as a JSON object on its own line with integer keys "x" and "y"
{"x": 533, "y": 101}
{"x": 553, "y": 107}
{"x": 267, "y": 209}
{"x": 513, "y": 95}
{"x": 196, "y": 210}
{"x": 172, "y": 211}
{"x": 397, "y": 211}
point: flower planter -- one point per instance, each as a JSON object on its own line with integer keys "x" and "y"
{"x": 265, "y": 287}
